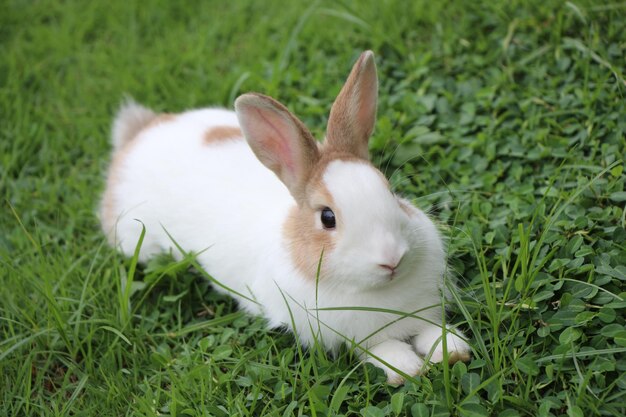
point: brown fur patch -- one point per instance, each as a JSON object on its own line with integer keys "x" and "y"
{"x": 304, "y": 239}
{"x": 456, "y": 356}
{"x": 219, "y": 134}
{"x": 353, "y": 114}
{"x": 306, "y": 242}
{"x": 159, "y": 119}
{"x": 406, "y": 207}
{"x": 108, "y": 214}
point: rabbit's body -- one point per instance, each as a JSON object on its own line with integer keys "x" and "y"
{"x": 174, "y": 182}
{"x": 194, "y": 176}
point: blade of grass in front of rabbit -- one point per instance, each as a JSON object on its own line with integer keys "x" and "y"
{"x": 444, "y": 343}
{"x": 167, "y": 271}
{"x": 317, "y": 283}
{"x": 202, "y": 271}
{"x": 344, "y": 337}
{"x": 126, "y": 284}
{"x": 295, "y": 330}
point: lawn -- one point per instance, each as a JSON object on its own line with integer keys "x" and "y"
{"x": 506, "y": 121}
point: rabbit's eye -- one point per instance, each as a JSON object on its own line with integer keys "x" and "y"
{"x": 328, "y": 218}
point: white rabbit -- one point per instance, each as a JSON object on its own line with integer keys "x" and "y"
{"x": 264, "y": 204}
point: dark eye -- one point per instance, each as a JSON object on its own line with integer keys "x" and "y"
{"x": 328, "y": 218}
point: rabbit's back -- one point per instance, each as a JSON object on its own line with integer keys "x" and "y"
{"x": 194, "y": 177}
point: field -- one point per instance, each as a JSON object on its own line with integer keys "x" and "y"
{"x": 506, "y": 121}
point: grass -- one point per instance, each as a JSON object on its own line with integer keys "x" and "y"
{"x": 506, "y": 120}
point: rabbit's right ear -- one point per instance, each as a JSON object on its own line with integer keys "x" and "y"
{"x": 353, "y": 114}
{"x": 279, "y": 140}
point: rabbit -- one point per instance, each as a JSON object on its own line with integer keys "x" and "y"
{"x": 306, "y": 234}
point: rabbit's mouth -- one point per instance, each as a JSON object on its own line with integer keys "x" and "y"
{"x": 387, "y": 278}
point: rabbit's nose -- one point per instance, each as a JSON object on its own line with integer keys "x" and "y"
{"x": 392, "y": 262}
{"x": 392, "y": 253}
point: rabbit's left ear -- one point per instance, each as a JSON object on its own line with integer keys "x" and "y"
{"x": 353, "y": 114}
{"x": 279, "y": 140}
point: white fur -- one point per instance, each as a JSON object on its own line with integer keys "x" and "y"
{"x": 398, "y": 354}
{"x": 130, "y": 119}
{"x": 219, "y": 201}
{"x": 426, "y": 340}
{"x": 171, "y": 181}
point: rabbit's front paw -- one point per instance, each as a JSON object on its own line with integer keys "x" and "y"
{"x": 458, "y": 349}
{"x": 398, "y": 354}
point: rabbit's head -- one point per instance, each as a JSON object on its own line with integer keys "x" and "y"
{"x": 346, "y": 221}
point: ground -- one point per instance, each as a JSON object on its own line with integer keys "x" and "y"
{"x": 506, "y": 121}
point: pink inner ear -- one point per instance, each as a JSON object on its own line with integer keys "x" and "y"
{"x": 277, "y": 145}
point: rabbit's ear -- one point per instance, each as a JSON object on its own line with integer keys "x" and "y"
{"x": 279, "y": 140}
{"x": 353, "y": 114}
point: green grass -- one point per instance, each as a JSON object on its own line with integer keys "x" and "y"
{"x": 506, "y": 121}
